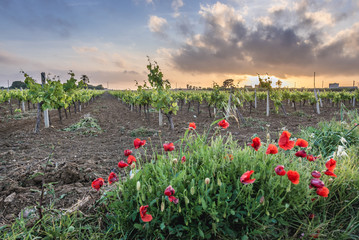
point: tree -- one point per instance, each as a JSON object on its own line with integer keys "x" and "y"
{"x": 18, "y": 84}
{"x": 85, "y": 79}
{"x": 228, "y": 83}
{"x": 279, "y": 83}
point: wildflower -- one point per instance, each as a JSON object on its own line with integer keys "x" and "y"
{"x": 169, "y": 191}
{"x": 175, "y": 161}
{"x": 143, "y": 213}
{"x": 224, "y": 124}
{"x": 293, "y": 176}
{"x": 192, "y": 126}
{"x": 301, "y": 154}
{"x": 245, "y": 178}
{"x": 316, "y": 174}
{"x": 311, "y": 158}
{"x": 122, "y": 164}
{"x": 311, "y": 216}
{"x": 127, "y": 152}
{"x": 279, "y": 170}
{"x": 98, "y": 183}
{"x": 315, "y": 182}
{"x": 256, "y": 143}
{"x": 230, "y": 157}
{"x": 169, "y": 147}
{"x": 131, "y": 159}
{"x": 272, "y": 149}
{"x": 207, "y": 181}
{"x": 284, "y": 141}
{"x": 331, "y": 164}
{"x": 301, "y": 143}
{"x": 330, "y": 173}
{"x": 323, "y": 191}
{"x": 138, "y": 143}
{"x": 112, "y": 178}
{"x": 183, "y": 159}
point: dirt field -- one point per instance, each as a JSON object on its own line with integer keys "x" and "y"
{"x": 69, "y": 161}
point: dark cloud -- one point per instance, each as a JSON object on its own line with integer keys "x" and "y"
{"x": 292, "y": 45}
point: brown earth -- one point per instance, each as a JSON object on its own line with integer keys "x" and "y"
{"x": 67, "y": 162}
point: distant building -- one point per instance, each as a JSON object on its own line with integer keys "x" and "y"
{"x": 248, "y": 86}
{"x": 333, "y": 85}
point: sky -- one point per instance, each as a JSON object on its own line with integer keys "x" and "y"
{"x": 194, "y": 42}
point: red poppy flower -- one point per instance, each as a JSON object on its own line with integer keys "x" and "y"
{"x": 284, "y": 141}
{"x": 131, "y": 159}
{"x": 138, "y": 143}
{"x": 169, "y": 191}
{"x": 272, "y": 149}
{"x": 173, "y": 199}
{"x": 316, "y": 174}
{"x": 112, "y": 178}
{"x": 330, "y": 173}
{"x": 192, "y": 126}
{"x": 127, "y": 152}
{"x": 279, "y": 170}
{"x": 245, "y": 178}
{"x": 122, "y": 164}
{"x": 183, "y": 159}
{"x": 311, "y": 158}
{"x": 301, "y": 154}
{"x": 315, "y": 182}
{"x": 256, "y": 143}
{"x": 311, "y": 216}
{"x": 323, "y": 191}
{"x": 331, "y": 164}
{"x": 301, "y": 143}
{"x": 169, "y": 147}
{"x": 224, "y": 124}
{"x": 230, "y": 157}
{"x": 98, "y": 183}
{"x": 143, "y": 213}
{"x": 293, "y": 176}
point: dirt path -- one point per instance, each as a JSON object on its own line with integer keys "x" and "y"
{"x": 76, "y": 160}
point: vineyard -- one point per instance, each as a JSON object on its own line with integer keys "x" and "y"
{"x": 176, "y": 180}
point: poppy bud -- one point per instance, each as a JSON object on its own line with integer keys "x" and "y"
{"x": 132, "y": 175}
{"x": 133, "y": 165}
{"x": 207, "y": 181}
{"x": 192, "y": 190}
{"x": 179, "y": 209}
{"x": 175, "y": 161}
{"x": 219, "y": 182}
{"x": 138, "y": 186}
{"x": 162, "y": 206}
{"x": 268, "y": 137}
{"x": 186, "y": 200}
{"x": 261, "y": 200}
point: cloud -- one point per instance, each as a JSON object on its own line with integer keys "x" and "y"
{"x": 286, "y": 41}
{"x": 85, "y": 49}
{"x": 157, "y": 25}
{"x": 176, "y": 5}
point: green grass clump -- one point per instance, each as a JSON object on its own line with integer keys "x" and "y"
{"x": 329, "y": 135}
{"x": 86, "y": 126}
{"x": 271, "y": 207}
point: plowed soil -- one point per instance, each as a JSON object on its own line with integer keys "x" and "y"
{"x": 65, "y": 163}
